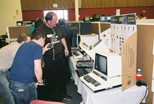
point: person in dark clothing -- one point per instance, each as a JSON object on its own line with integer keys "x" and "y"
{"x": 38, "y": 22}
{"x": 68, "y": 36}
{"x": 54, "y": 68}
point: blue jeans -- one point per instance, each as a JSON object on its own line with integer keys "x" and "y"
{"x": 5, "y": 93}
{"x": 23, "y": 93}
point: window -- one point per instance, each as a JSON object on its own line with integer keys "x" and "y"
{"x": 60, "y": 13}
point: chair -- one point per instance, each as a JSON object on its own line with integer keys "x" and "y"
{"x": 44, "y": 102}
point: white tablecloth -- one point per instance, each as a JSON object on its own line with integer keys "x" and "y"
{"x": 133, "y": 95}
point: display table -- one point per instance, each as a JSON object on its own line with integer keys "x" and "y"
{"x": 133, "y": 95}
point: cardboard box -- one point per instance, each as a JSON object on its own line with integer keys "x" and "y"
{"x": 129, "y": 60}
{"x": 145, "y": 34}
{"x": 15, "y": 31}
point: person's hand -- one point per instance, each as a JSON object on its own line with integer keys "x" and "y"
{"x": 66, "y": 52}
{"x": 46, "y": 48}
{"x": 36, "y": 84}
{"x": 43, "y": 63}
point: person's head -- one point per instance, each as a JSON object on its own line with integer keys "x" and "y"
{"x": 23, "y": 38}
{"x": 38, "y": 22}
{"x": 38, "y": 36}
{"x": 51, "y": 19}
{"x": 61, "y": 22}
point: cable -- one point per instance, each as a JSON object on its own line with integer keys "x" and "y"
{"x": 144, "y": 84}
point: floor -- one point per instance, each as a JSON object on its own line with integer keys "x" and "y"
{"x": 72, "y": 91}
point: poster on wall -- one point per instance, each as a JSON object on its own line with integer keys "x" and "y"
{"x": 124, "y": 42}
{"x": 117, "y": 12}
{"x": 122, "y": 27}
{"x": 106, "y": 37}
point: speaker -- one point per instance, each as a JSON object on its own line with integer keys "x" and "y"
{"x": 85, "y": 28}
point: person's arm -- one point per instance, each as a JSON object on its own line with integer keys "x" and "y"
{"x": 65, "y": 45}
{"x": 38, "y": 71}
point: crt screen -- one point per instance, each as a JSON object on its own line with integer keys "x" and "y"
{"x": 101, "y": 64}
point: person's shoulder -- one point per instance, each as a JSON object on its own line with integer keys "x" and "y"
{"x": 32, "y": 26}
{"x": 31, "y": 45}
{"x": 12, "y": 45}
{"x": 42, "y": 26}
{"x": 57, "y": 26}
{"x": 16, "y": 44}
{"x": 35, "y": 44}
{"x": 68, "y": 27}
{"x": 38, "y": 47}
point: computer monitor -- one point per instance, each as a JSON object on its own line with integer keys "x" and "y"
{"x": 85, "y": 28}
{"x": 108, "y": 64}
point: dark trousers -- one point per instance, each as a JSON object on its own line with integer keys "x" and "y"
{"x": 5, "y": 93}
{"x": 55, "y": 75}
{"x": 68, "y": 73}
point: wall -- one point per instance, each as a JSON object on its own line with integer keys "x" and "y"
{"x": 10, "y": 13}
{"x": 46, "y": 4}
{"x": 32, "y": 15}
{"x": 70, "y": 4}
{"x": 112, "y": 11}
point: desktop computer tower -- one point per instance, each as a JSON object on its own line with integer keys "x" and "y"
{"x": 85, "y": 28}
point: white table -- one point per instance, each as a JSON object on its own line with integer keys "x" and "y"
{"x": 133, "y": 95}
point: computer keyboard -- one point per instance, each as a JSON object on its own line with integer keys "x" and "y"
{"x": 81, "y": 72}
{"x": 91, "y": 80}
{"x": 76, "y": 53}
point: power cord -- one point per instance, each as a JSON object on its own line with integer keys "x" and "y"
{"x": 142, "y": 83}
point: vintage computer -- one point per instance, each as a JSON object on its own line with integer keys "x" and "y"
{"x": 85, "y": 28}
{"x": 106, "y": 74}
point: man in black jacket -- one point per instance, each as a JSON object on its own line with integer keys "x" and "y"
{"x": 54, "y": 69}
